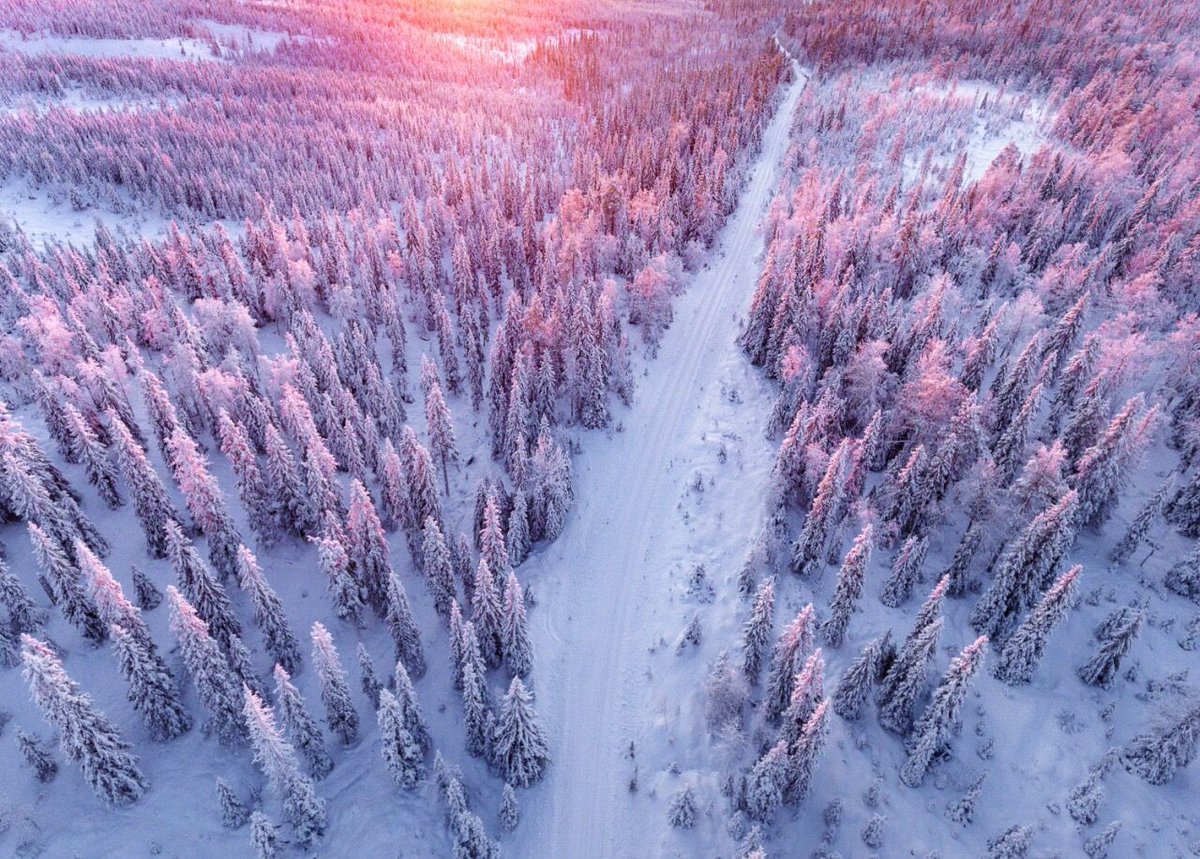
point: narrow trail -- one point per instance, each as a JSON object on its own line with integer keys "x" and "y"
{"x": 597, "y": 584}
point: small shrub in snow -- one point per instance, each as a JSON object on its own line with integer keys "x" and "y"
{"x": 510, "y": 811}
{"x": 233, "y": 811}
{"x": 872, "y": 834}
{"x": 1013, "y": 843}
{"x": 36, "y": 758}
{"x": 1098, "y": 845}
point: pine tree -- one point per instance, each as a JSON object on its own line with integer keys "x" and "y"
{"x": 486, "y": 615}
{"x": 403, "y": 627}
{"x": 277, "y": 634}
{"x": 681, "y": 813}
{"x": 756, "y": 634}
{"x": 216, "y": 684}
{"x": 1013, "y": 843}
{"x": 277, "y": 759}
{"x": 422, "y": 493}
{"x": 205, "y": 501}
{"x": 1103, "y": 468}
{"x": 340, "y": 715}
{"x": 294, "y": 510}
{"x": 252, "y": 489}
{"x": 369, "y": 682}
{"x": 906, "y": 569}
{"x": 438, "y": 567}
{"x": 477, "y": 714}
{"x": 23, "y": 614}
{"x": 410, "y": 708}
{"x": 149, "y": 597}
{"x": 150, "y": 501}
{"x": 492, "y": 545}
{"x": 940, "y": 720}
{"x": 510, "y": 811}
{"x": 518, "y": 539}
{"x": 1140, "y": 526}
{"x": 1098, "y": 845}
{"x": 233, "y": 812}
{"x": 960, "y": 565}
{"x": 1159, "y": 753}
{"x": 203, "y": 591}
{"x": 368, "y": 546}
{"x": 1101, "y": 669}
{"x": 299, "y": 725}
{"x": 792, "y": 648}
{"x": 803, "y": 755}
{"x": 855, "y": 686}
{"x": 36, "y": 758}
{"x": 264, "y": 837}
{"x": 1184, "y": 577}
{"x": 152, "y": 689}
{"x": 77, "y": 607}
{"x": 808, "y": 690}
{"x": 518, "y": 652}
{"x": 441, "y": 431}
{"x": 849, "y": 589}
{"x": 87, "y": 449}
{"x": 1023, "y": 650}
{"x": 109, "y": 599}
{"x": 518, "y": 744}
{"x": 907, "y": 678}
{"x": 811, "y": 543}
{"x": 962, "y": 811}
{"x": 344, "y": 588}
{"x": 85, "y": 734}
{"x": 400, "y": 751}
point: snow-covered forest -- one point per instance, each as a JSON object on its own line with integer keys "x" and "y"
{"x": 576, "y": 428}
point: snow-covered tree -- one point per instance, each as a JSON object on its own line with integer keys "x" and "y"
{"x": 848, "y": 590}
{"x": 856, "y": 683}
{"x": 216, "y": 683}
{"x": 403, "y": 627}
{"x": 1098, "y": 846}
{"x": 518, "y": 652}
{"x": 368, "y": 680}
{"x": 233, "y": 811}
{"x": 150, "y": 500}
{"x": 36, "y": 758}
{"x": 368, "y": 546}
{"x": 203, "y": 591}
{"x": 1101, "y": 669}
{"x": 510, "y": 810}
{"x": 340, "y": 715}
{"x": 410, "y": 708}
{"x": 1162, "y": 751}
{"x": 1142, "y": 522}
{"x": 803, "y": 755}
{"x": 906, "y": 570}
{"x": 264, "y": 836}
{"x": 85, "y": 734}
{"x": 277, "y": 633}
{"x": 940, "y": 720}
{"x": 766, "y": 783}
{"x": 149, "y": 597}
{"x": 438, "y": 566}
{"x": 962, "y": 810}
{"x": 64, "y": 585}
{"x": 906, "y": 679}
{"x": 400, "y": 751}
{"x": 791, "y": 650}
{"x": 152, "y": 689}
{"x": 1023, "y": 651}
{"x": 1013, "y": 843}
{"x": 1084, "y": 800}
{"x": 299, "y": 725}
{"x": 277, "y": 759}
{"x": 756, "y": 634}
{"x": 518, "y": 745}
{"x": 1184, "y": 577}
{"x": 477, "y": 714}
{"x": 682, "y": 811}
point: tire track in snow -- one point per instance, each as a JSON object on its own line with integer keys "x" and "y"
{"x": 599, "y": 583}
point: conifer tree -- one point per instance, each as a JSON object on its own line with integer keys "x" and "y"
{"x": 1085, "y": 798}
{"x": 518, "y": 652}
{"x": 518, "y": 745}
{"x": 486, "y": 615}
{"x": 940, "y": 720}
{"x": 867, "y": 668}
{"x": 340, "y": 715}
{"x": 216, "y": 684}
{"x": 476, "y": 705}
{"x": 233, "y": 812}
{"x": 109, "y": 599}
{"x": 400, "y": 751}
{"x": 1101, "y": 669}
{"x": 403, "y": 627}
{"x": 410, "y": 707}
{"x": 438, "y": 567}
{"x": 252, "y": 488}
{"x": 1023, "y": 650}
{"x": 344, "y": 587}
{"x": 907, "y": 678}
{"x": 369, "y": 682}
{"x": 492, "y": 546}
{"x": 849, "y": 589}
{"x": 441, "y": 431}
{"x": 418, "y": 468}
{"x": 1184, "y": 510}
{"x": 766, "y": 782}
{"x": 962, "y": 811}
{"x": 205, "y": 501}
{"x": 277, "y": 633}
{"x": 23, "y": 614}
{"x": 1184, "y": 577}
{"x": 368, "y": 546}
{"x": 681, "y": 813}
{"x": 1098, "y": 845}
{"x": 299, "y": 725}
{"x": 518, "y": 538}
{"x": 264, "y": 836}
{"x": 756, "y": 634}
{"x": 810, "y": 545}
{"x": 36, "y": 758}
{"x": 152, "y": 689}
{"x": 808, "y": 690}
{"x": 802, "y": 758}
{"x": 87, "y": 448}
{"x": 510, "y": 811}
{"x": 203, "y": 591}
{"x": 1013, "y": 843}
{"x": 149, "y": 597}
{"x": 1103, "y": 468}
{"x": 85, "y": 734}
{"x": 294, "y": 510}
{"x": 1161, "y": 752}
{"x": 906, "y": 569}
{"x": 1140, "y": 526}
{"x": 960, "y": 565}
{"x": 790, "y": 651}
{"x": 65, "y": 587}
{"x": 277, "y": 759}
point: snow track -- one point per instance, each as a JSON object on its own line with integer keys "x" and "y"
{"x": 601, "y": 583}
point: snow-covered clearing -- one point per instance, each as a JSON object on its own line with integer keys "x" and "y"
{"x": 145, "y": 48}
{"x": 612, "y": 585}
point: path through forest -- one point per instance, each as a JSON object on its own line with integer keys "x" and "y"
{"x": 600, "y": 584}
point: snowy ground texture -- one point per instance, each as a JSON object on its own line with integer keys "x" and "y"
{"x": 678, "y": 509}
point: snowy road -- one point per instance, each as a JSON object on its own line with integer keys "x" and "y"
{"x": 602, "y": 581}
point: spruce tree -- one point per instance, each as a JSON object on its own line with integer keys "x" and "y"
{"x": 682, "y": 811}
{"x": 277, "y": 759}
{"x": 940, "y": 720}
{"x": 85, "y": 734}
{"x": 1013, "y": 843}
{"x": 233, "y": 812}
{"x": 808, "y": 690}
{"x": 368, "y": 680}
{"x": 756, "y": 634}
{"x": 400, "y": 751}
{"x": 1085, "y": 798}
{"x": 1184, "y": 577}
{"x": 368, "y": 546}
{"x": 1159, "y": 753}
{"x": 906, "y": 569}
{"x": 203, "y": 591}
{"x": 906, "y": 680}
{"x": 403, "y": 627}
{"x": 518, "y": 745}
{"x": 766, "y": 782}
{"x": 1023, "y": 650}
{"x": 518, "y": 652}
{"x": 36, "y": 758}
{"x": 438, "y": 566}
{"x": 150, "y": 500}
{"x": 962, "y": 811}
{"x": 149, "y": 597}
{"x": 1101, "y": 669}
{"x": 216, "y": 684}
{"x": 809, "y": 546}
{"x": 299, "y": 725}
{"x": 410, "y": 707}
{"x": 486, "y": 615}
{"x": 152, "y": 689}
{"x": 791, "y": 649}
{"x": 510, "y": 811}
{"x": 340, "y": 715}
{"x": 1140, "y": 526}
{"x": 1098, "y": 845}
{"x": 856, "y": 683}
{"x": 848, "y": 590}
{"x": 23, "y": 614}
{"x": 959, "y": 570}
{"x": 264, "y": 836}
{"x": 344, "y": 588}
{"x": 518, "y": 538}
{"x": 77, "y": 607}
{"x": 802, "y": 758}
{"x": 277, "y": 633}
